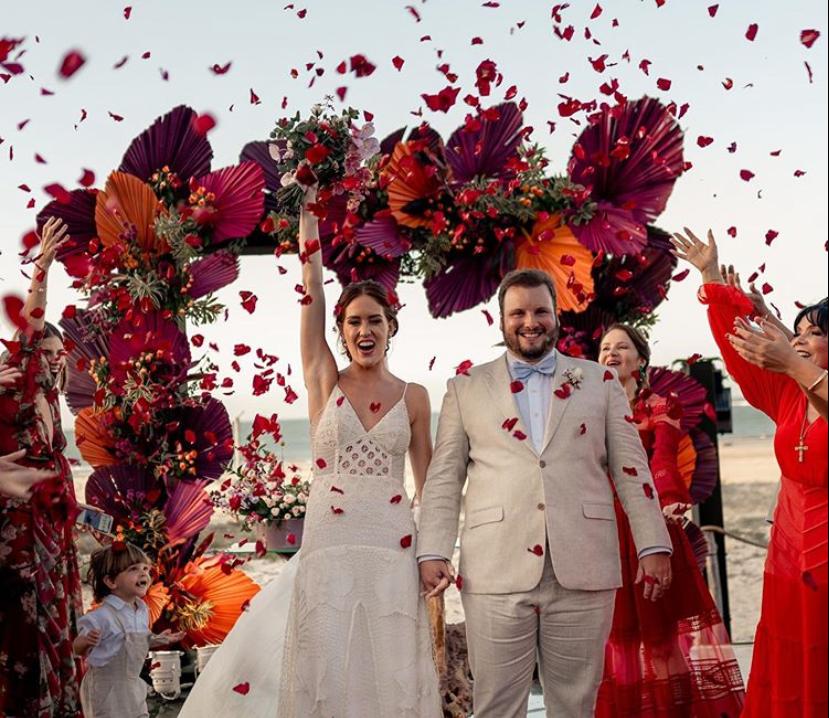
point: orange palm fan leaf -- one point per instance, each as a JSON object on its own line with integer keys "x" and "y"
{"x": 127, "y": 208}
{"x": 158, "y": 596}
{"x": 220, "y": 596}
{"x": 553, "y": 248}
{"x": 686, "y": 460}
{"x": 410, "y": 183}
{"x": 93, "y": 440}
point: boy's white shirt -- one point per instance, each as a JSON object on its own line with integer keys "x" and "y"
{"x": 135, "y": 618}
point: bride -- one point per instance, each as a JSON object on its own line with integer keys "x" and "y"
{"x": 342, "y": 632}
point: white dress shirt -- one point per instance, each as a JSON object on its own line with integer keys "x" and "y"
{"x": 135, "y": 618}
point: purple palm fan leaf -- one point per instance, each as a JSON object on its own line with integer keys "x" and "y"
{"x": 188, "y": 510}
{"x": 171, "y": 141}
{"x": 352, "y": 262}
{"x": 632, "y": 285}
{"x": 387, "y": 144}
{"x": 239, "y": 201}
{"x": 689, "y": 393}
{"x": 631, "y": 155}
{"x": 464, "y": 283}
{"x": 611, "y": 229}
{"x": 482, "y": 150}
{"x": 382, "y": 236}
{"x": 699, "y": 544}
{"x": 90, "y": 345}
{"x": 581, "y": 332}
{"x": 706, "y": 471}
{"x": 79, "y": 216}
{"x": 124, "y": 492}
{"x": 259, "y": 152}
{"x": 206, "y": 430}
{"x": 210, "y": 274}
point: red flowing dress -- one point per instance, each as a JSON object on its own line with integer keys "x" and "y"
{"x": 40, "y": 599}
{"x": 791, "y": 652}
{"x": 671, "y": 658}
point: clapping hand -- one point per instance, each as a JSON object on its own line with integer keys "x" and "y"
{"x": 17, "y": 481}
{"x": 766, "y": 347}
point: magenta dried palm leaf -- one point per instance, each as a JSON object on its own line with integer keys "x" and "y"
{"x": 213, "y": 272}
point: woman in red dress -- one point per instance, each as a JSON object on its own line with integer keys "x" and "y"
{"x": 787, "y": 380}
{"x": 671, "y": 658}
{"x": 41, "y": 595}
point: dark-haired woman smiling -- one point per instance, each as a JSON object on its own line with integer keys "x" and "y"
{"x": 787, "y": 381}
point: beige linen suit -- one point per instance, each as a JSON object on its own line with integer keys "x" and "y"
{"x": 540, "y": 555}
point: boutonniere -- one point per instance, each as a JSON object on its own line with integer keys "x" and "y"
{"x": 573, "y": 380}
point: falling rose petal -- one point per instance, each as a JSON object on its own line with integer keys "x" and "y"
{"x": 242, "y": 688}
{"x": 58, "y": 192}
{"x": 337, "y": 490}
{"x": 746, "y": 175}
{"x": 13, "y": 309}
{"x": 117, "y": 118}
{"x": 809, "y": 37}
{"x": 443, "y": 101}
{"x": 516, "y": 386}
{"x": 127, "y": 12}
{"x": 202, "y": 124}
{"x": 648, "y": 489}
{"x": 712, "y": 10}
{"x": 249, "y": 300}
{"x": 538, "y": 550}
{"x": 680, "y": 276}
{"x": 123, "y": 61}
{"x": 397, "y": 61}
{"x": 374, "y": 407}
{"x": 489, "y": 320}
{"x": 337, "y": 511}
{"x": 564, "y": 391}
{"x": 520, "y": 435}
{"x": 217, "y": 69}
{"x": 609, "y": 375}
{"x": 751, "y": 33}
{"x": 254, "y": 98}
{"x": 87, "y": 179}
{"x": 693, "y": 359}
{"x": 582, "y": 429}
{"x": 771, "y": 235}
{"x": 406, "y": 541}
{"x": 71, "y": 63}
{"x": 321, "y": 463}
{"x": 464, "y": 367}
{"x": 291, "y": 539}
{"x": 341, "y": 92}
{"x": 664, "y": 84}
{"x": 459, "y": 582}
{"x": 630, "y": 470}
{"x": 703, "y": 141}
{"x": 766, "y": 288}
{"x": 290, "y": 395}
{"x": 509, "y": 424}
{"x": 809, "y": 72}
{"x": 596, "y": 12}
{"x": 396, "y": 499}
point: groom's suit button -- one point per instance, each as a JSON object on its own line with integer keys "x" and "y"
{"x": 542, "y": 464}
{"x": 541, "y": 507}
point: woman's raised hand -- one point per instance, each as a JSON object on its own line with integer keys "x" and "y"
{"x": 767, "y": 347}
{"x": 53, "y": 236}
{"x": 9, "y": 375}
{"x": 705, "y": 257}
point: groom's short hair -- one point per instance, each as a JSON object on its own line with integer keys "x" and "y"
{"x": 525, "y": 278}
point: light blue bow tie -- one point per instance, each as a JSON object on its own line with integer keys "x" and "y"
{"x": 523, "y": 371}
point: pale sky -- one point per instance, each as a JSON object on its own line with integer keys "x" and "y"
{"x": 772, "y": 106}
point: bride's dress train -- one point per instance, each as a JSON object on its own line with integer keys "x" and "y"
{"x": 342, "y": 632}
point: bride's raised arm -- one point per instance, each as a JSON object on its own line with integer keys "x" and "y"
{"x": 319, "y": 368}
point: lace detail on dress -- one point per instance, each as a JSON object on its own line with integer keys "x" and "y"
{"x": 358, "y": 642}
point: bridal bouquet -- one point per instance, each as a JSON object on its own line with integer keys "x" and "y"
{"x": 326, "y": 149}
{"x": 259, "y": 491}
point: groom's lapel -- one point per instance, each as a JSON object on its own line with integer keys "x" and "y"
{"x": 558, "y": 406}
{"x": 498, "y": 382}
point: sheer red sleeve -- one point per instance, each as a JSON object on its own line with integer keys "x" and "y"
{"x": 761, "y": 388}
{"x": 666, "y": 477}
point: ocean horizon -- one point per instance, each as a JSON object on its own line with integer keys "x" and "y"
{"x": 295, "y": 447}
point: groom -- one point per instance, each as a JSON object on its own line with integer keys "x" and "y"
{"x": 535, "y": 435}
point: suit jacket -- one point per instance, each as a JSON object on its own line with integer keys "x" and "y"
{"x": 518, "y": 502}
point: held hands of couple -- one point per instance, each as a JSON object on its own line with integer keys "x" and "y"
{"x": 436, "y": 576}
{"x": 655, "y": 573}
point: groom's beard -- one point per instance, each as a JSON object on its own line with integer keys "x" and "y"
{"x": 528, "y": 353}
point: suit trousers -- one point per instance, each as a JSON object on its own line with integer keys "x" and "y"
{"x": 564, "y": 630}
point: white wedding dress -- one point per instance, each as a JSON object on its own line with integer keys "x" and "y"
{"x": 342, "y": 632}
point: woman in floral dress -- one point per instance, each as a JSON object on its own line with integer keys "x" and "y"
{"x": 41, "y": 596}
